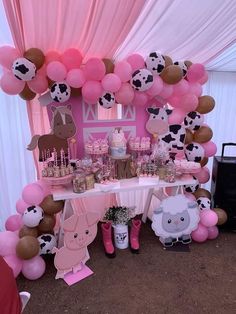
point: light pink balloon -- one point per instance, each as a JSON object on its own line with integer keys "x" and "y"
{"x": 188, "y": 102}
{"x": 39, "y": 84}
{"x": 91, "y": 91}
{"x": 213, "y": 232}
{"x": 166, "y": 91}
{"x": 8, "y": 242}
{"x": 56, "y": 71}
{"x": 203, "y": 175}
{"x": 140, "y": 99}
{"x": 200, "y": 234}
{"x": 136, "y": 61}
{"x": 156, "y": 87}
{"x": 190, "y": 196}
{"x": 14, "y": 263}
{"x": 208, "y": 218}
{"x": 177, "y": 116}
{"x": 33, "y": 268}
{"x": 94, "y": 69}
{"x": 203, "y": 79}
{"x": 156, "y": 102}
{"x": 195, "y": 72}
{"x": 125, "y": 94}
{"x": 45, "y": 186}
{"x": 51, "y": 56}
{"x": 111, "y": 82}
{"x": 10, "y": 84}
{"x": 72, "y": 58}
{"x": 75, "y": 78}
{"x": 33, "y": 194}
{"x": 181, "y": 88}
{"x": 8, "y": 55}
{"x": 21, "y": 206}
{"x": 13, "y": 223}
{"x": 124, "y": 70}
{"x": 210, "y": 148}
{"x": 195, "y": 88}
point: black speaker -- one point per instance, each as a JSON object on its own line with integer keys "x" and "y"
{"x": 223, "y": 186}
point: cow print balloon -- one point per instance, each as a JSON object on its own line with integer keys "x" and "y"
{"x": 204, "y": 203}
{"x": 183, "y": 67}
{"x": 191, "y": 188}
{"x": 23, "y": 69}
{"x": 142, "y": 80}
{"x": 32, "y": 216}
{"x": 155, "y": 62}
{"x": 46, "y": 242}
{"x": 60, "y": 92}
{"x": 107, "y": 100}
{"x": 194, "y": 152}
{"x": 193, "y": 120}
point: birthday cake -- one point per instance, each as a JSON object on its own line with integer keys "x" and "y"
{"x": 118, "y": 143}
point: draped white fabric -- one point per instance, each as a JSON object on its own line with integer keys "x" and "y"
{"x": 225, "y": 61}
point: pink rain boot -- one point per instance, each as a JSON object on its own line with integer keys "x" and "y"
{"x": 107, "y": 239}
{"x": 134, "y": 235}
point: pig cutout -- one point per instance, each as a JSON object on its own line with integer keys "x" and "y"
{"x": 80, "y": 231}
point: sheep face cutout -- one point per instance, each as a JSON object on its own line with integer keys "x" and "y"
{"x": 175, "y": 220}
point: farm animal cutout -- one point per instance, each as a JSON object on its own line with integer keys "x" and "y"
{"x": 63, "y": 128}
{"x": 176, "y": 218}
{"x": 80, "y": 231}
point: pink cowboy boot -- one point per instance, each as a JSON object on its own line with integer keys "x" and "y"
{"x": 134, "y": 235}
{"x": 107, "y": 239}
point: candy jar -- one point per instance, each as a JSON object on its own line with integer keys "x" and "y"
{"x": 170, "y": 172}
{"x": 79, "y": 183}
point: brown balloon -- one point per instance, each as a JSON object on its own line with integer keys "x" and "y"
{"x": 168, "y": 61}
{"x": 171, "y": 74}
{"x": 205, "y": 104}
{"x": 204, "y": 161}
{"x": 27, "y": 247}
{"x": 188, "y": 137}
{"x": 50, "y": 206}
{"x": 26, "y": 231}
{"x": 188, "y": 63}
{"x": 203, "y": 134}
{"x": 109, "y": 65}
{"x": 75, "y": 92}
{"x": 47, "y": 224}
{"x": 27, "y": 93}
{"x": 222, "y": 216}
{"x": 36, "y": 56}
{"x": 202, "y": 193}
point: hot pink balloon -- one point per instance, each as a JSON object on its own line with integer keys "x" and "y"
{"x": 181, "y": 88}
{"x": 21, "y": 206}
{"x": 8, "y": 55}
{"x": 13, "y": 223}
{"x": 125, "y": 94}
{"x": 210, "y": 148}
{"x": 213, "y": 232}
{"x": 111, "y": 82}
{"x": 200, "y": 234}
{"x": 14, "y": 263}
{"x": 56, "y": 71}
{"x": 72, "y": 58}
{"x": 94, "y": 69}
{"x": 8, "y": 242}
{"x": 136, "y": 61}
{"x": 91, "y": 91}
{"x": 203, "y": 79}
{"x": 75, "y": 78}
{"x": 33, "y": 268}
{"x": 208, "y": 218}
{"x": 156, "y": 87}
{"x": 195, "y": 72}
{"x": 124, "y": 70}
{"x": 33, "y": 194}
{"x": 140, "y": 99}
{"x": 203, "y": 175}
{"x": 166, "y": 91}
{"x": 177, "y": 116}
{"x": 51, "y": 56}
{"x": 39, "y": 84}
{"x": 10, "y": 84}
{"x": 188, "y": 102}
{"x": 195, "y": 88}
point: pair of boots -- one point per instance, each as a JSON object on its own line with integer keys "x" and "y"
{"x": 108, "y": 241}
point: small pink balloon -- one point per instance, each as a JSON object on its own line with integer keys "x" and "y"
{"x": 181, "y": 88}
{"x": 140, "y": 99}
{"x": 188, "y": 102}
{"x": 210, "y": 148}
{"x": 200, "y": 234}
{"x": 125, "y": 94}
{"x": 195, "y": 88}
{"x": 203, "y": 79}
{"x": 72, "y": 58}
{"x": 124, "y": 70}
{"x": 8, "y": 242}
{"x": 39, "y": 84}
{"x": 195, "y": 72}
{"x": 94, "y": 69}
{"x": 13, "y": 223}
{"x": 190, "y": 196}
{"x": 33, "y": 268}
{"x": 166, "y": 91}
{"x": 174, "y": 101}
{"x": 56, "y": 71}
{"x": 177, "y": 116}
{"x": 8, "y": 55}
{"x": 21, "y": 206}
{"x": 91, "y": 91}
{"x": 156, "y": 102}
{"x": 51, "y": 56}
{"x": 10, "y": 84}
{"x": 45, "y": 186}
{"x": 111, "y": 82}
{"x": 75, "y": 78}
{"x": 136, "y": 61}
{"x": 203, "y": 175}
{"x": 208, "y": 218}
{"x": 213, "y": 232}
{"x": 14, "y": 263}
{"x": 33, "y": 194}
{"x": 156, "y": 87}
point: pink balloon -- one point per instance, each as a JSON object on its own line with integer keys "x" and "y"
{"x": 8, "y": 55}
{"x": 174, "y": 101}
{"x": 200, "y": 234}
{"x": 195, "y": 72}
{"x": 203, "y": 175}
{"x": 195, "y": 88}
{"x": 188, "y": 102}
{"x": 91, "y": 91}
{"x": 94, "y": 69}
{"x": 52, "y": 56}
{"x": 210, "y": 148}
{"x": 156, "y": 102}
{"x": 33, "y": 194}
{"x": 124, "y": 70}
{"x": 136, "y": 61}
{"x": 13, "y": 223}
{"x": 203, "y": 79}
{"x": 72, "y": 58}
{"x": 181, "y": 88}
{"x": 156, "y": 87}
{"x": 10, "y": 84}
{"x": 8, "y": 242}
{"x": 56, "y": 71}
{"x": 213, "y": 232}
{"x": 33, "y": 268}
{"x": 14, "y": 263}
{"x": 21, "y": 206}
{"x": 190, "y": 196}
{"x": 39, "y": 84}
{"x": 140, "y": 99}
{"x": 75, "y": 78}
{"x": 111, "y": 82}
{"x": 45, "y": 186}
{"x": 125, "y": 94}
{"x": 208, "y": 218}
{"x": 166, "y": 91}
{"x": 177, "y": 116}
